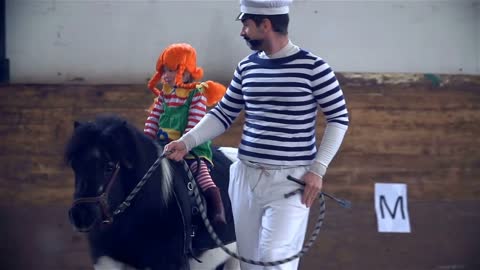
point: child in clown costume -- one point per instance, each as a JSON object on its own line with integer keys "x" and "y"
{"x": 178, "y": 107}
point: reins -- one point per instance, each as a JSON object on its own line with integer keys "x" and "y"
{"x": 102, "y": 199}
{"x": 193, "y": 192}
{"x": 126, "y": 203}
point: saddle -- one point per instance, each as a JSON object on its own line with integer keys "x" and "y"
{"x": 196, "y": 237}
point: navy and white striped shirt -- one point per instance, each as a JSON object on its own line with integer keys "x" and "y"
{"x": 281, "y": 97}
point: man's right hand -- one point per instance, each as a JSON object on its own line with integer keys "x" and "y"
{"x": 177, "y": 150}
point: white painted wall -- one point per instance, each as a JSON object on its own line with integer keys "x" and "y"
{"x": 118, "y": 41}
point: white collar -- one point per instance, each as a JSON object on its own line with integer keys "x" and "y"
{"x": 288, "y": 50}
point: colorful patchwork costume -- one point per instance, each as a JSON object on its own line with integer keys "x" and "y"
{"x": 179, "y": 106}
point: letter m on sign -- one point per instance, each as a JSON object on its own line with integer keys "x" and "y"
{"x": 398, "y": 204}
{"x": 391, "y": 208}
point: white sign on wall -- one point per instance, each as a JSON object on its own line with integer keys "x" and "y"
{"x": 391, "y": 208}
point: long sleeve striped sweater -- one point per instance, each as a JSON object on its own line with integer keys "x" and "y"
{"x": 176, "y": 98}
{"x": 281, "y": 97}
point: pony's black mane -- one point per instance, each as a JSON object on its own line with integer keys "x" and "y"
{"x": 98, "y": 132}
{"x": 124, "y": 143}
{"x": 84, "y": 135}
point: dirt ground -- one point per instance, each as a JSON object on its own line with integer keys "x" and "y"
{"x": 445, "y": 236}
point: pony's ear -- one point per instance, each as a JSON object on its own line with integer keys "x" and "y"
{"x": 76, "y": 124}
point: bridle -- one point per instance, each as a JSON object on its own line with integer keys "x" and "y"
{"x": 101, "y": 200}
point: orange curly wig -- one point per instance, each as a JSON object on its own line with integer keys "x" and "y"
{"x": 183, "y": 57}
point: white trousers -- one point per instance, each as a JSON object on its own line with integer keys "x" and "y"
{"x": 268, "y": 226}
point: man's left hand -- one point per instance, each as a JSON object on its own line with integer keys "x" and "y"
{"x": 313, "y": 187}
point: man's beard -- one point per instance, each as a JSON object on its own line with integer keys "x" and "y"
{"x": 254, "y": 44}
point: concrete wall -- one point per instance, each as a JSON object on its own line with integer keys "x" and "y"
{"x": 87, "y": 41}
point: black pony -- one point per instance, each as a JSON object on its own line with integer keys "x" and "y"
{"x": 155, "y": 230}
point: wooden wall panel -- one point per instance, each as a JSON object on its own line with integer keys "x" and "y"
{"x": 404, "y": 128}
{"x": 422, "y": 130}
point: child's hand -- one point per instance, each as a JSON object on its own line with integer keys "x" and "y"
{"x": 175, "y": 150}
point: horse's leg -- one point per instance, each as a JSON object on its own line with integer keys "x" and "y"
{"x": 213, "y": 258}
{"x": 107, "y": 263}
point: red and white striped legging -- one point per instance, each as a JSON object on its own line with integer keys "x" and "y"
{"x": 203, "y": 177}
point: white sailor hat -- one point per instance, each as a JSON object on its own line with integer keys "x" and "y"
{"x": 263, "y": 7}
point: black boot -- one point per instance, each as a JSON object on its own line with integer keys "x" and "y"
{"x": 215, "y": 209}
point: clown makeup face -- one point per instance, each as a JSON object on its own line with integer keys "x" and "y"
{"x": 253, "y": 34}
